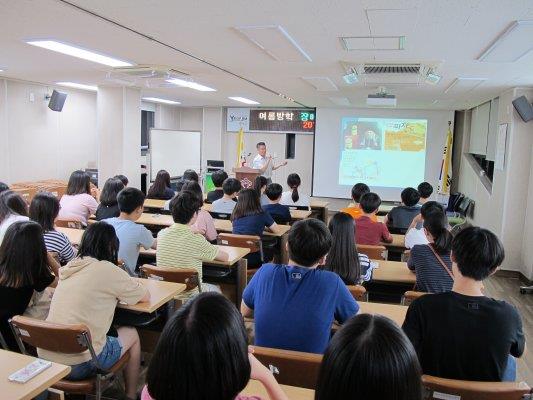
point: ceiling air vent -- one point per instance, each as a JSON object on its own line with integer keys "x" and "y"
{"x": 391, "y": 68}
{"x": 145, "y": 75}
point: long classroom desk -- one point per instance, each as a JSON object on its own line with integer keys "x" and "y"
{"x": 161, "y": 292}
{"x": 11, "y": 362}
{"x": 255, "y": 388}
{"x": 393, "y": 272}
{"x": 236, "y": 259}
{"x": 395, "y": 312}
{"x": 398, "y": 241}
{"x": 296, "y": 215}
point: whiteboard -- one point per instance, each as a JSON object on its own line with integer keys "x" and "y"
{"x": 174, "y": 151}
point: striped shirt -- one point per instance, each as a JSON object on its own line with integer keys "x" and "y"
{"x": 58, "y": 242}
{"x": 179, "y": 247}
{"x": 431, "y": 276}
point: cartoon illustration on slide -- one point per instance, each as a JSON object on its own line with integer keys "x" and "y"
{"x": 369, "y": 136}
{"x": 406, "y": 136}
{"x": 350, "y": 136}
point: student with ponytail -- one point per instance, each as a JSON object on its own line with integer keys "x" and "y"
{"x": 260, "y": 184}
{"x": 431, "y": 262}
{"x": 292, "y": 197}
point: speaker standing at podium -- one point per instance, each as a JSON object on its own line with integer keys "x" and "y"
{"x": 264, "y": 162}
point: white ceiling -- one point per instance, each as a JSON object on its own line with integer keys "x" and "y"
{"x": 450, "y": 34}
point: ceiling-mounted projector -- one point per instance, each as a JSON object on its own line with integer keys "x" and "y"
{"x": 381, "y": 100}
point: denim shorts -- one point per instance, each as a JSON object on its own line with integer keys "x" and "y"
{"x": 108, "y": 357}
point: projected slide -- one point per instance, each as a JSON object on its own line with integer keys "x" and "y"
{"x": 382, "y": 152}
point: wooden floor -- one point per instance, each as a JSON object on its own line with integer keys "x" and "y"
{"x": 505, "y": 288}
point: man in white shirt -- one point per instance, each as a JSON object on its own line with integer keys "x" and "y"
{"x": 264, "y": 162}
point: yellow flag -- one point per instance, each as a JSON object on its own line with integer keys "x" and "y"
{"x": 240, "y": 147}
{"x": 445, "y": 178}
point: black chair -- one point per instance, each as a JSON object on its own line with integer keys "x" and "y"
{"x": 216, "y": 215}
{"x": 304, "y": 208}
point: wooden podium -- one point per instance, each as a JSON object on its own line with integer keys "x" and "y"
{"x": 246, "y": 176}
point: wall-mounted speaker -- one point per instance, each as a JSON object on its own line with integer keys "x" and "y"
{"x": 524, "y": 108}
{"x": 57, "y": 101}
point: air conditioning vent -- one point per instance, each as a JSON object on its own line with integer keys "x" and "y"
{"x": 145, "y": 75}
{"x": 391, "y": 68}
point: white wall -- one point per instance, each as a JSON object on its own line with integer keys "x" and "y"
{"x": 38, "y": 143}
{"x": 507, "y": 209}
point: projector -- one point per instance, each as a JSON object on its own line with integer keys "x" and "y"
{"x": 381, "y": 100}
{"x": 350, "y": 78}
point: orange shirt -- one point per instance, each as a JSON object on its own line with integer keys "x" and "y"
{"x": 356, "y": 212}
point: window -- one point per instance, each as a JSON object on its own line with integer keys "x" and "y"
{"x": 290, "y": 146}
{"x": 147, "y": 122}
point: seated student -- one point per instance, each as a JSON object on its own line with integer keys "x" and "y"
{"x": 179, "y": 247}
{"x": 477, "y": 333}
{"x": 249, "y": 219}
{"x": 179, "y": 186}
{"x": 369, "y": 358}
{"x": 292, "y": 197}
{"x": 425, "y": 190}
{"x": 44, "y": 209}
{"x": 3, "y": 187}
{"x": 160, "y": 189}
{"x": 415, "y": 233}
{"x": 108, "y": 207}
{"x": 123, "y": 178}
{"x": 358, "y": 190}
{"x": 279, "y": 213}
{"x": 87, "y": 293}
{"x": 400, "y": 217}
{"x": 294, "y": 305}
{"x": 204, "y": 225}
{"x": 366, "y": 230}
{"x": 206, "y": 338}
{"x": 24, "y": 268}
{"x": 218, "y": 178}
{"x": 343, "y": 258}
{"x": 131, "y": 236}
{"x": 190, "y": 175}
{"x": 431, "y": 262}
{"x": 13, "y": 208}
{"x": 77, "y": 203}
{"x": 226, "y": 204}
{"x": 260, "y": 184}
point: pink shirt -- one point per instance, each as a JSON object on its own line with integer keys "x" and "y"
{"x": 205, "y": 225}
{"x": 146, "y": 396}
{"x": 77, "y": 207}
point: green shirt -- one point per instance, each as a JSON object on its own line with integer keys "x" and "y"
{"x": 179, "y": 247}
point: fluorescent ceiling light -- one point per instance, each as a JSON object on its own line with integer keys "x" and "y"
{"x": 78, "y": 86}
{"x": 243, "y": 100}
{"x": 190, "y": 85}
{"x": 275, "y": 41}
{"x": 79, "y": 53}
{"x": 511, "y": 45}
{"x": 158, "y": 100}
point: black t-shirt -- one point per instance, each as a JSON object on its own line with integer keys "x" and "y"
{"x": 14, "y": 301}
{"x": 401, "y": 217}
{"x": 464, "y": 337}
{"x": 214, "y": 195}
{"x": 105, "y": 212}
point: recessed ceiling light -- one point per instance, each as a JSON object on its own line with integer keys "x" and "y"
{"x": 78, "y": 86}
{"x": 243, "y": 100}
{"x": 158, "y": 100}
{"x": 190, "y": 85}
{"x": 79, "y": 53}
{"x": 511, "y": 45}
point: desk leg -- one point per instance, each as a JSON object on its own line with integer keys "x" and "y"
{"x": 242, "y": 280}
{"x": 283, "y": 249}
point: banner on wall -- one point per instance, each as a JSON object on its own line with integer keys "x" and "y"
{"x": 445, "y": 178}
{"x": 237, "y": 119}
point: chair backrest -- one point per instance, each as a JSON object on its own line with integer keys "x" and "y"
{"x": 3, "y": 343}
{"x": 68, "y": 223}
{"x": 69, "y": 339}
{"x": 217, "y": 215}
{"x": 247, "y": 241}
{"x": 57, "y": 191}
{"x": 178, "y": 275}
{"x": 409, "y": 296}
{"x": 373, "y": 252}
{"x": 26, "y": 193}
{"x": 292, "y": 368}
{"x": 440, "y": 388}
{"x": 358, "y": 292}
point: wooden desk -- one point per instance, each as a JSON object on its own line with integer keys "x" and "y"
{"x": 225, "y": 225}
{"x": 320, "y": 207}
{"x": 160, "y": 220}
{"x": 383, "y": 208}
{"x": 392, "y": 311}
{"x": 255, "y": 388}
{"x": 154, "y": 203}
{"x": 295, "y": 214}
{"x": 161, "y": 292}
{"x": 11, "y": 362}
{"x": 398, "y": 242}
{"x": 394, "y": 272}
{"x": 74, "y": 235}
